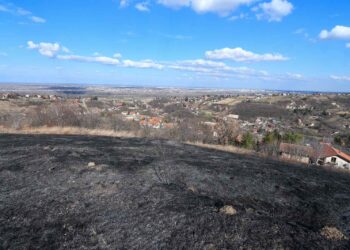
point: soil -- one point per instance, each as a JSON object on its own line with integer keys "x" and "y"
{"x": 76, "y": 192}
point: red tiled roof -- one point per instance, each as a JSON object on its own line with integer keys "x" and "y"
{"x": 328, "y": 151}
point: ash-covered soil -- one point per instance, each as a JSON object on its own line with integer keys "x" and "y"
{"x": 144, "y": 194}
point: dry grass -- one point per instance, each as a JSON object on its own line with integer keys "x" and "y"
{"x": 231, "y": 101}
{"x": 332, "y": 233}
{"x": 231, "y": 149}
{"x": 69, "y": 131}
{"x": 103, "y": 132}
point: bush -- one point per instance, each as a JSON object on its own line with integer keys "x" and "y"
{"x": 248, "y": 141}
{"x": 342, "y": 140}
{"x": 291, "y": 137}
{"x": 338, "y": 140}
{"x": 56, "y": 114}
{"x": 272, "y": 137}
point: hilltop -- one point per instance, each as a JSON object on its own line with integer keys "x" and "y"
{"x": 69, "y": 192}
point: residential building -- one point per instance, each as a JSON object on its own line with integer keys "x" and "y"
{"x": 329, "y": 155}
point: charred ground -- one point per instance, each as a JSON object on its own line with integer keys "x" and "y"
{"x": 150, "y": 194}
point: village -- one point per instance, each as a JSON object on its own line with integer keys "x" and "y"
{"x": 307, "y": 128}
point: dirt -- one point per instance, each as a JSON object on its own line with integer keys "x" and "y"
{"x": 150, "y": 194}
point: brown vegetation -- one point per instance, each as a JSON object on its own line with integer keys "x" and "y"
{"x": 68, "y": 131}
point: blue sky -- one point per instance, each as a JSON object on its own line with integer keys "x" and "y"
{"x": 263, "y": 44}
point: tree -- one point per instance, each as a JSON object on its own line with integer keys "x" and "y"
{"x": 226, "y": 132}
{"x": 248, "y": 141}
{"x": 272, "y": 137}
{"x": 291, "y": 137}
{"x": 271, "y": 143}
{"x": 338, "y": 140}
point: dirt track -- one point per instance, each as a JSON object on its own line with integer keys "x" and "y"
{"x": 137, "y": 197}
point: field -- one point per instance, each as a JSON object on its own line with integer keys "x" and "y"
{"x": 79, "y": 192}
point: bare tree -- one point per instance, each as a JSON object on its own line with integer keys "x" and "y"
{"x": 318, "y": 148}
{"x": 226, "y": 132}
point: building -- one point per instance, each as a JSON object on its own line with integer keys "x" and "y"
{"x": 324, "y": 154}
{"x": 328, "y": 155}
{"x": 294, "y": 152}
{"x": 231, "y": 117}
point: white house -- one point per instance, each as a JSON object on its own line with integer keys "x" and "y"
{"x": 325, "y": 154}
{"x": 329, "y": 155}
{"x": 231, "y": 117}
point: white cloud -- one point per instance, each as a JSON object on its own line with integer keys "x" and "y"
{"x": 52, "y": 50}
{"x": 338, "y": 32}
{"x": 177, "y": 37}
{"x": 65, "y": 49}
{"x": 45, "y": 49}
{"x": 142, "y": 7}
{"x": 23, "y": 12}
{"x": 175, "y": 3}
{"x": 124, "y": 3}
{"x": 241, "y": 55}
{"x": 216, "y": 69}
{"x": 203, "y": 63}
{"x": 302, "y": 32}
{"x": 221, "y": 7}
{"x": 238, "y": 17}
{"x": 117, "y": 55}
{"x": 36, "y": 19}
{"x": 275, "y": 10}
{"x": 144, "y": 64}
{"x": 17, "y": 11}
{"x": 200, "y": 67}
{"x": 89, "y": 59}
{"x": 340, "y": 78}
{"x": 4, "y": 8}
{"x": 294, "y": 76}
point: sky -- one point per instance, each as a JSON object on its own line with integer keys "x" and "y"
{"x": 243, "y": 44}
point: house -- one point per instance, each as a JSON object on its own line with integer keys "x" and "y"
{"x": 328, "y": 155}
{"x": 324, "y": 154}
{"x": 231, "y": 117}
{"x": 294, "y": 152}
{"x": 153, "y": 122}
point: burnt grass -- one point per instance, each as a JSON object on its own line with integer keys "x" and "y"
{"x": 151, "y": 194}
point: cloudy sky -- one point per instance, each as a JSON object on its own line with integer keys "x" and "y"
{"x": 263, "y": 44}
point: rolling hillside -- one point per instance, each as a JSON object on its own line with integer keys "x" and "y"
{"x": 76, "y": 192}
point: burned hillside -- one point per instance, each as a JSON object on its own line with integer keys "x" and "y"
{"x": 76, "y": 192}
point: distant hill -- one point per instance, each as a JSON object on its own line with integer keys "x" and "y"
{"x": 75, "y": 192}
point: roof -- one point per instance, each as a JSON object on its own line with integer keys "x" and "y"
{"x": 295, "y": 149}
{"x": 327, "y": 150}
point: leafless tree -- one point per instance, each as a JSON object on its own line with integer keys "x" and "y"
{"x": 226, "y": 132}
{"x": 318, "y": 148}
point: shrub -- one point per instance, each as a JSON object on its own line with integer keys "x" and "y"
{"x": 248, "y": 141}
{"x": 272, "y": 137}
{"x": 291, "y": 137}
{"x": 56, "y": 114}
